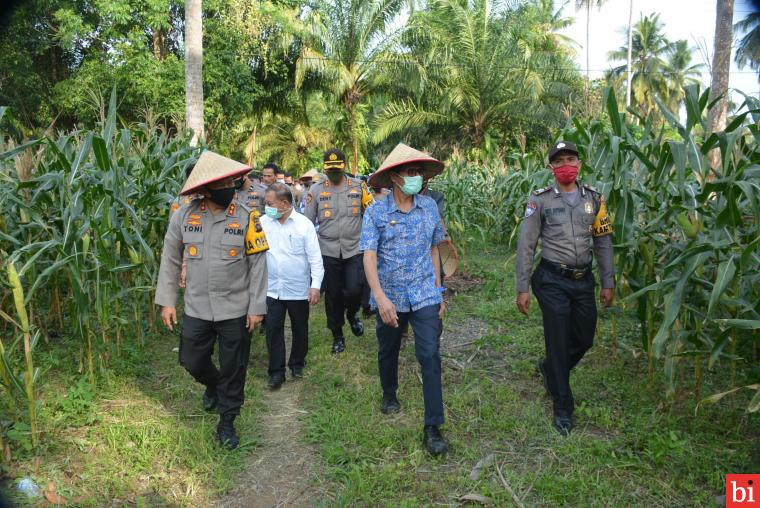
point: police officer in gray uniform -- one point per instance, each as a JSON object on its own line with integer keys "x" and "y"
{"x": 571, "y": 220}
{"x": 252, "y": 194}
{"x": 336, "y": 204}
{"x": 224, "y": 247}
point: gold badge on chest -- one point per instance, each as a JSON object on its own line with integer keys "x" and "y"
{"x": 589, "y": 207}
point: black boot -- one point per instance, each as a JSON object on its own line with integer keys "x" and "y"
{"x": 225, "y": 432}
{"x": 209, "y": 398}
{"x": 357, "y": 327}
{"x": 339, "y": 345}
{"x": 276, "y": 380}
{"x": 390, "y": 404}
{"x": 433, "y": 441}
{"x": 563, "y": 424}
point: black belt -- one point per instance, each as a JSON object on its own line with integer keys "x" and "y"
{"x": 564, "y": 270}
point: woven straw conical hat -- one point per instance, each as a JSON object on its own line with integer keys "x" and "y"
{"x": 212, "y": 167}
{"x": 312, "y": 173}
{"x": 404, "y": 155}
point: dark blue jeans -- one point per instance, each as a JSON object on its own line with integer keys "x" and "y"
{"x": 427, "y": 328}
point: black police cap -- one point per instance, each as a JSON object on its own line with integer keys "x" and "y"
{"x": 562, "y": 146}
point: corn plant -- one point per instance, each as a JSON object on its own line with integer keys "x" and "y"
{"x": 83, "y": 229}
{"x": 686, "y": 234}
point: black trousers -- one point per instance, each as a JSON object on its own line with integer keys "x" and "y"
{"x": 298, "y": 310}
{"x": 196, "y": 348}
{"x": 343, "y": 290}
{"x": 427, "y": 329}
{"x": 569, "y": 310}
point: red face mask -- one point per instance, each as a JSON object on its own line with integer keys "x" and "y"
{"x": 566, "y": 174}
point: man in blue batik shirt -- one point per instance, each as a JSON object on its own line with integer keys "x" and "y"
{"x": 400, "y": 238}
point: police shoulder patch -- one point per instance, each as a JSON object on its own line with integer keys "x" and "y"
{"x": 530, "y": 208}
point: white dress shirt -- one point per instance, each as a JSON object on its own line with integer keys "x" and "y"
{"x": 293, "y": 259}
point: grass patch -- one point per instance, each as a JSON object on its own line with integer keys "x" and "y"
{"x": 631, "y": 445}
{"x": 140, "y": 437}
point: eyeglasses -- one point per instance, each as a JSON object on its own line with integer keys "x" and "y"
{"x": 562, "y": 161}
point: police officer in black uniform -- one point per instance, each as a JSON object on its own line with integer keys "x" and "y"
{"x": 571, "y": 220}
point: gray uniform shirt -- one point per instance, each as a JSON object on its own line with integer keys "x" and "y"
{"x": 253, "y": 197}
{"x": 568, "y": 233}
{"x": 338, "y": 212}
{"x": 226, "y": 262}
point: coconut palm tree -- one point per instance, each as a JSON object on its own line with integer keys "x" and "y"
{"x": 720, "y": 67}
{"x": 680, "y": 72}
{"x": 349, "y": 46}
{"x": 587, "y": 4}
{"x": 194, "y": 68}
{"x": 649, "y": 49}
{"x": 748, "y": 48}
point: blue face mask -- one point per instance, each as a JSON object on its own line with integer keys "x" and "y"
{"x": 272, "y": 212}
{"x": 412, "y": 185}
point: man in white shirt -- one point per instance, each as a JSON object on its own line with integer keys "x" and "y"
{"x": 295, "y": 268}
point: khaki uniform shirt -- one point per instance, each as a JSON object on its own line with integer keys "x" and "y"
{"x": 253, "y": 197}
{"x": 568, "y": 233}
{"x": 338, "y": 211}
{"x": 226, "y": 262}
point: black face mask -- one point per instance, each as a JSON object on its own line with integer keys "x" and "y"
{"x": 222, "y": 197}
{"x": 335, "y": 176}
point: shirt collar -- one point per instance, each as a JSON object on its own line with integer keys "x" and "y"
{"x": 391, "y": 203}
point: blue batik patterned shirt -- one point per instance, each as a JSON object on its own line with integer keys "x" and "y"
{"x": 403, "y": 242}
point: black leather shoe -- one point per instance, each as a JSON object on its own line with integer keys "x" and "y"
{"x": 209, "y": 398}
{"x": 542, "y": 372}
{"x": 296, "y": 372}
{"x": 434, "y": 441}
{"x": 390, "y": 405}
{"x": 563, "y": 424}
{"x": 339, "y": 345}
{"x": 225, "y": 432}
{"x": 357, "y": 327}
{"x": 275, "y": 381}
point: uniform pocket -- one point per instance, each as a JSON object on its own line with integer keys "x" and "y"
{"x": 326, "y": 214}
{"x": 554, "y": 219}
{"x": 232, "y": 247}
{"x": 194, "y": 250}
{"x": 297, "y": 244}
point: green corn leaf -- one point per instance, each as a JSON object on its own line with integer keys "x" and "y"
{"x": 724, "y": 276}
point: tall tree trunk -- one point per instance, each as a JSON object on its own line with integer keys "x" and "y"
{"x": 629, "y": 74}
{"x": 588, "y": 38}
{"x": 720, "y": 67}
{"x": 159, "y": 43}
{"x": 194, "y": 69}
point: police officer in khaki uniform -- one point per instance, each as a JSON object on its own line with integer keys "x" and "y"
{"x": 336, "y": 205}
{"x": 224, "y": 246}
{"x": 571, "y": 220}
{"x": 252, "y": 195}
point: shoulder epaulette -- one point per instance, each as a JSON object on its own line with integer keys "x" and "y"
{"x": 591, "y": 188}
{"x": 541, "y": 191}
